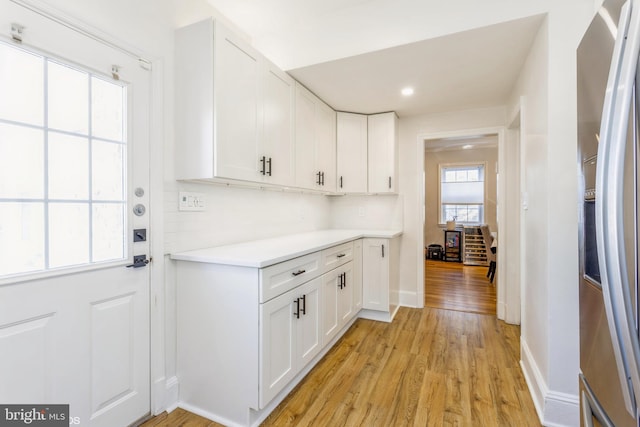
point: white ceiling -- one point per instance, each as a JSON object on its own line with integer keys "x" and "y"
{"x": 404, "y": 47}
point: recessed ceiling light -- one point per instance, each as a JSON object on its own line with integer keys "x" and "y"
{"x": 407, "y": 91}
{"x": 466, "y": 147}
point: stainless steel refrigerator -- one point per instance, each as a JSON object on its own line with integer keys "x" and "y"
{"x": 607, "y": 158}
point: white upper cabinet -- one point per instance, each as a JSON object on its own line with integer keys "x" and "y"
{"x": 351, "y": 142}
{"x": 383, "y": 153}
{"x": 234, "y": 109}
{"x": 326, "y": 145}
{"x": 238, "y": 117}
{"x": 306, "y": 173}
{"x": 277, "y": 137}
{"x": 315, "y": 145}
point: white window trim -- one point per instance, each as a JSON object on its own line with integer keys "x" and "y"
{"x": 484, "y": 198}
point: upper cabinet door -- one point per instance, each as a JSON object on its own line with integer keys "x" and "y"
{"x": 194, "y": 117}
{"x": 234, "y": 109}
{"x": 277, "y": 142}
{"x": 326, "y": 146}
{"x": 351, "y": 130}
{"x": 237, "y": 106}
{"x": 383, "y": 153}
{"x": 315, "y": 142}
{"x": 306, "y": 173}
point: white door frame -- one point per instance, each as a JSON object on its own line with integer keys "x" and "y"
{"x": 502, "y": 289}
{"x": 514, "y": 266}
{"x": 157, "y": 356}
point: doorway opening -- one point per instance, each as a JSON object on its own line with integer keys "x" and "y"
{"x": 460, "y": 196}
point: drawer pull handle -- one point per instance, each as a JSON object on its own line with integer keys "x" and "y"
{"x": 299, "y": 272}
{"x": 341, "y": 255}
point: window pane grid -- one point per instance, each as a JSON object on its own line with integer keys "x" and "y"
{"x": 51, "y": 217}
{"x": 462, "y": 193}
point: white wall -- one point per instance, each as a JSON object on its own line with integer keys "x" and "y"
{"x": 550, "y": 325}
{"x": 239, "y": 214}
{"x": 533, "y": 86}
{"x": 372, "y": 212}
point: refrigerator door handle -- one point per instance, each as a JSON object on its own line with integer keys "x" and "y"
{"x": 609, "y": 205}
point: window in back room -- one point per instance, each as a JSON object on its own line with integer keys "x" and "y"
{"x": 462, "y": 192}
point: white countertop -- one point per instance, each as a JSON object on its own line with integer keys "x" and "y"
{"x": 263, "y": 253}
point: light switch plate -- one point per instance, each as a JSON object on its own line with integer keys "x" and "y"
{"x": 193, "y": 202}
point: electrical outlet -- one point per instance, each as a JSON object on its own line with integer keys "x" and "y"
{"x": 193, "y": 202}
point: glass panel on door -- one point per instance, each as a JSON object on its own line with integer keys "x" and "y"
{"x": 63, "y": 157}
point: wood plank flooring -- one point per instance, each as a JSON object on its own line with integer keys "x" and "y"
{"x": 430, "y": 367}
{"x": 455, "y": 286}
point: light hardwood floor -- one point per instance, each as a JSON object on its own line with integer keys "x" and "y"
{"x": 455, "y": 286}
{"x": 430, "y": 367}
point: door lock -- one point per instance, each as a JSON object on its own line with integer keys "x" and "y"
{"x": 140, "y": 235}
{"x": 139, "y": 261}
{"x": 139, "y": 209}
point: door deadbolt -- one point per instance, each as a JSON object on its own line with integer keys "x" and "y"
{"x": 139, "y": 209}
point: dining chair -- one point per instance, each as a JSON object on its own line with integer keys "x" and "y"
{"x": 490, "y": 250}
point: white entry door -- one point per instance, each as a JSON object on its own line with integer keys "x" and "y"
{"x": 74, "y": 182}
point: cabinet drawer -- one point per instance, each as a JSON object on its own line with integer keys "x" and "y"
{"x": 279, "y": 278}
{"x": 336, "y": 256}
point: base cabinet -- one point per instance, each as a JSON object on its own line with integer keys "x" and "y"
{"x": 376, "y": 274}
{"x": 380, "y": 278}
{"x": 247, "y": 335}
{"x": 337, "y": 293}
{"x": 290, "y": 337}
{"x": 357, "y": 276}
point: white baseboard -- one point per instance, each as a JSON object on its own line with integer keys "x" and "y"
{"x": 561, "y": 409}
{"x": 555, "y": 409}
{"x": 206, "y": 414}
{"x": 172, "y": 390}
{"x": 533, "y": 377}
{"x": 408, "y": 299}
{"x": 501, "y": 310}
